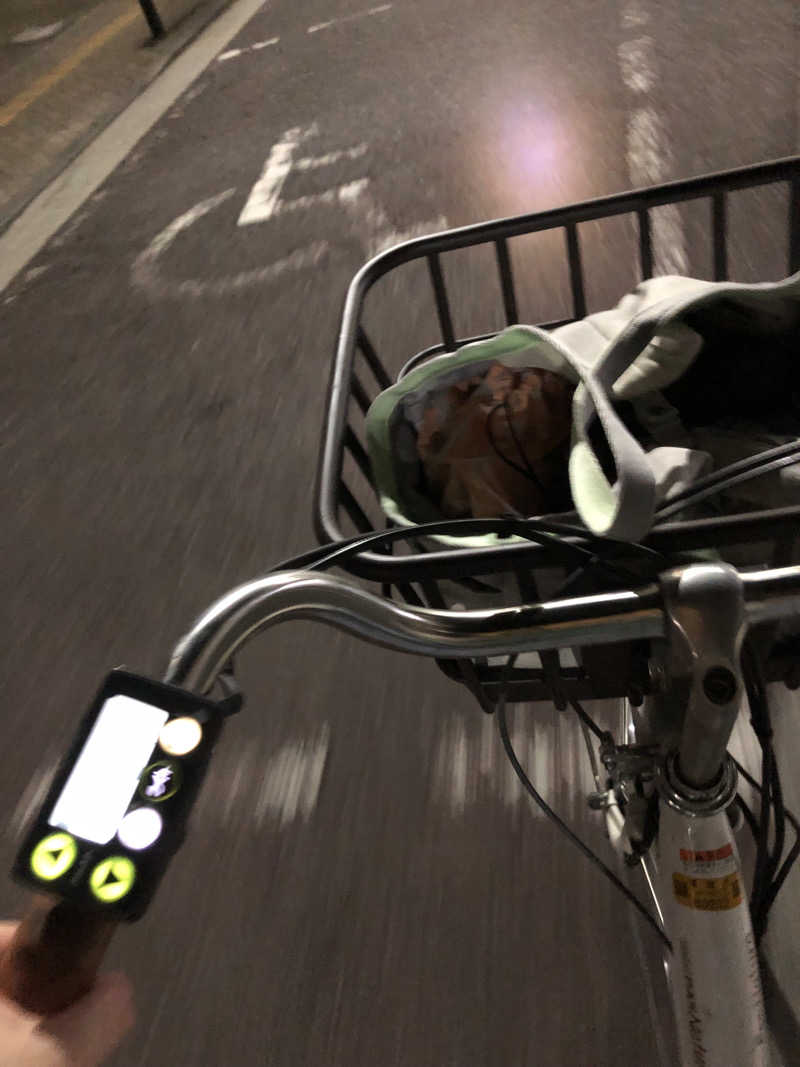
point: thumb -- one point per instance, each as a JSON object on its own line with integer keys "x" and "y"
{"x": 93, "y": 1026}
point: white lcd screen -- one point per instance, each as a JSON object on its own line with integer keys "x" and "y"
{"x": 107, "y": 771}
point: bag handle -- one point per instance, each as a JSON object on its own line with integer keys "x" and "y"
{"x": 624, "y": 510}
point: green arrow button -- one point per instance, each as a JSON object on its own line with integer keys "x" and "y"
{"x": 53, "y": 856}
{"x": 112, "y": 879}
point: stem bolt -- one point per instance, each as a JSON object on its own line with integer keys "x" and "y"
{"x": 719, "y": 685}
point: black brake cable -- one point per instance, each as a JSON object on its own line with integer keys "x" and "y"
{"x": 500, "y": 709}
{"x": 587, "y": 720}
{"x": 768, "y": 860}
{"x": 544, "y": 532}
{"x": 773, "y": 890}
{"x": 729, "y": 477}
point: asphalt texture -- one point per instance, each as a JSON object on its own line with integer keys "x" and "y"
{"x": 162, "y": 406}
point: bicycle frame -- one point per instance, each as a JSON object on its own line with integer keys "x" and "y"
{"x": 699, "y": 615}
{"x": 713, "y": 969}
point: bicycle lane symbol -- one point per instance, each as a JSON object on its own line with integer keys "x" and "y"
{"x": 266, "y": 202}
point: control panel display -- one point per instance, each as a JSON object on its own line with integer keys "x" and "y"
{"x": 107, "y": 772}
{"x": 118, "y": 808}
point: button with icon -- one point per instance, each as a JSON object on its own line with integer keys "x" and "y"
{"x": 160, "y": 781}
{"x": 53, "y": 856}
{"x": 180, "y": 736}
{"x": 112, "y": 879}
{"x": 140, "y": 828}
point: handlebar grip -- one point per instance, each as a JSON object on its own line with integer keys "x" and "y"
{"x": 54, "y": 956}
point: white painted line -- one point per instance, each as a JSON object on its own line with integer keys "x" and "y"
{"x": 242, "y": 774}
{"x": 649, "y": 145}
{"x": 292, "y": 780}
{"x": 637, "y": 64}
{"x": 342, "y": 194}
{"x": 54, "y": 206}
{"x": 634, "y": 14}
{"x": 349, "y": 18}
{"x": 453, "y": 782}
{"x": 669, "y": 241}
{"x": 379, "y": 232}
{"x": 471, "y": 766}
{"x": 38, "y": 33}
{"x": 264, "y": 195}
{"x": 313, "y": 162}
{"x": 146, "y": 273}
{"x": 390, "y": 237}
{"x": 232, "y": 53}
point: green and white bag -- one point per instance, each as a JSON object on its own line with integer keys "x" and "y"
{"x": 652, "y": 340}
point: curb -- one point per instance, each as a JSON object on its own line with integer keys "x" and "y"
{"x": 177, "y": 39}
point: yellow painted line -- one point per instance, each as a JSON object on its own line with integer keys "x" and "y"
{"x": 47, "y": 81}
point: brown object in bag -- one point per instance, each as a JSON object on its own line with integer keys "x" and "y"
{"x": 491, "y": 447}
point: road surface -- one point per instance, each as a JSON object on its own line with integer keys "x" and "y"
{"x": 364, "y": 884}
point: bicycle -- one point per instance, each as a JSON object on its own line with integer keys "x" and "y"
{"x": 666, "y": 791}
{"x": 690, "y": 640}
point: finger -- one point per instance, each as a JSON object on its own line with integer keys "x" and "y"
{"x": 7, "y": 931}
{"x": 93, "y": 1026}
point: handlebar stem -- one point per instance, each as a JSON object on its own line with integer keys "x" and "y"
{"x": 706, "y": 624}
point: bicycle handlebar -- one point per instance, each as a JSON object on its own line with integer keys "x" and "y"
{"x": 601, "y": 619}
{"x": 56, "y": 952}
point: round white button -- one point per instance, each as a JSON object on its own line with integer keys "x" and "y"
{"x": 140, "y": 828}
{"x": 180, "y": 736}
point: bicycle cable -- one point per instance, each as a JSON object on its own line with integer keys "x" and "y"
{"x": 767, "y": 897}
{"x": 734, "y": 474}
{"x": 616, "y": 881}
{"x": 547, "y": 533}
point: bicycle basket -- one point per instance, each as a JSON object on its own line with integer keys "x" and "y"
{"x": 438, "y": 574}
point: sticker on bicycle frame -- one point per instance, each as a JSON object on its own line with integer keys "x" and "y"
{"x": 709, "y": 863}
{"x": 708, "y": 894}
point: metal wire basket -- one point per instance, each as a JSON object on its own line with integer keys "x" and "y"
{"x": 428, "y": 573}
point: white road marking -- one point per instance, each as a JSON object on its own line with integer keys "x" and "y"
{"x": 380, "y": 234}
{"x": 146, "y": 274}
{"x": 56, "y": 204}
{"x": 649, "y": 152}
{"x": 471, "y": 766}
{"x": 35, "y": 272}
{"x": 349, "y": 18}
{"x": 389, "y": 237}
{"x": 266, "y": 202}
{"x": 346, "y": 194}
{"x": 292, "y": 780}
{"x": 38, "y": 33}
{"x": 242, "y": 773}
{"x": 647, "y": 148}
{"x": 233, "y": 53}
{"x": 634, "y": 15}
{"x": 637, "y": 63}
{"x": 264, "y": 195}
{"x": 314, "y": 162}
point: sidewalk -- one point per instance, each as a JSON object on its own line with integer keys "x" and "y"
{"x": 67, "y": 68}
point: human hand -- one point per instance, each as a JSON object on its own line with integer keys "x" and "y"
{"x": 81, "y": 1036}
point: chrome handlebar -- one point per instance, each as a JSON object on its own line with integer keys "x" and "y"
{"x": 602, "y": 619}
